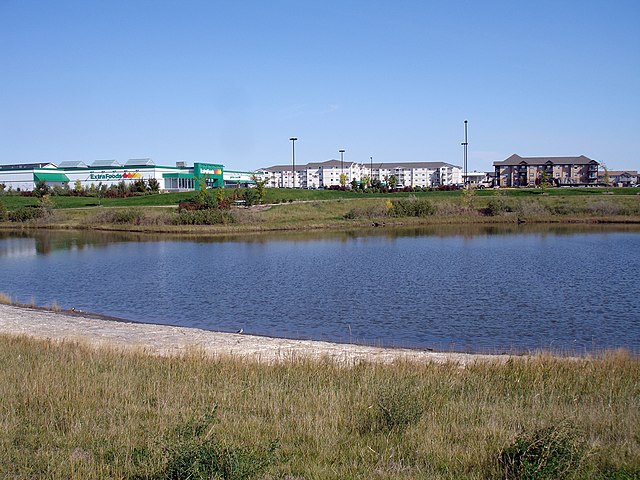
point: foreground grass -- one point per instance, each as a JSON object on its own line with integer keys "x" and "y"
{"x": 71, "y": 412}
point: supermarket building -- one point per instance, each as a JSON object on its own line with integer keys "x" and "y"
{"x": 24, "y": 177}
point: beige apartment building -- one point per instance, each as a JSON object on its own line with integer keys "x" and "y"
{"x": 620, "y": 178}
{"x": 327, "y": 174}
{"x": 517, "y": 171}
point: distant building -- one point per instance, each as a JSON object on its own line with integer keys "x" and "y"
{"x": 517, "y": 171}
{"x": 327, "y": 174}
{"x": 620, "y": 178}
{"x": 24, "y": 177}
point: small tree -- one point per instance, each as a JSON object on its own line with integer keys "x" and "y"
{"x": 41, "y": 189}
{"x": 343, "y": 179}
{"x": 366, "y": 181}
{"x": 250, "y": 197}
{"x": 605, "y": 177}
{"x": 2, "y": 187}
{"x": 392, "y": 181}
{"x": 544, "y": 180}
{"x": 468, "y": 195}
{"x": 153, "y": 185}
{"x": 140, "y": 185}
{"x": 77, "y": 187}
{"x": 101, "y": 191}
{"x": 354, "y": 184}
{"x": 45, "y": 204}
{"x": 260, "y": 186}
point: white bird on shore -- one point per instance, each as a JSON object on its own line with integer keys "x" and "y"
{"x": 240, "y": 331}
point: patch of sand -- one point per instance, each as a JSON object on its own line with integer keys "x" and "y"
{"x": 167, "y": 340}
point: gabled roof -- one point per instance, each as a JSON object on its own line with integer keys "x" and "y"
{"x": 106, "y": 163}
{"x": 517, "y": 160}
{"x": 73, "y": 164}
{"x": 139, "y": 162}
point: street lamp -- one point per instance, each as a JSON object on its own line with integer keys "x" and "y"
{"x": 465, "y": 144}
{"x": 293, "y": 158}
{"x": 371, "y": 171}
{"x": 341, "y": 162}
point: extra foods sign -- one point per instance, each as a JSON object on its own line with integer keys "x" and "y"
{"x": 115, "y": 176}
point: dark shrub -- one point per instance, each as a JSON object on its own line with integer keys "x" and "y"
{"x": 153, "y": 185}
{"x": 250, "y": 197}
{"x": 497, "y": 206}
{"x": 26, "y": 214}
{"x": 202, "y": 217}
{"x": 41, "y": 189}
{"x": 394, "y": 409}
{"x": 552, "y": 452}
{"x": 412, "y": 207}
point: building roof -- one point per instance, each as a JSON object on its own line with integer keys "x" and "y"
{"x": 106, "y": 163}
{"x": 139, "y": 162}
{"x": 430, "y": 165}
{"x": 300, "y": 168}
{"x": 27, "y": 166}
{"x": 517, "y": 160}
{"x": 73, "y": 164}
{"x": 619, "y": 173}
{"x": 338, "y": 163}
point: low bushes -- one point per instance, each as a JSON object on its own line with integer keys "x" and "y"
{"x": 26, "y": 214}
{"x": 126, "y": 216}
{"x": 202, "y": 217}
{"x": 375, "y": 210}
{"x": 411, "y": 207}
{"x": 134, "y": 216}
{"x": 192, "y": 453}
{"x": 553, "y": 452}
{"x": 497, "y": 206}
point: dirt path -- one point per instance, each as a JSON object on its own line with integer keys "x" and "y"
{"x": 166, "y": 340}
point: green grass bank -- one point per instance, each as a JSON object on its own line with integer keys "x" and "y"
{"x": 289, "y": 209}
{"x": 68, "y": 411}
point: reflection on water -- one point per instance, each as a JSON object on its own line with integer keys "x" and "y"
{"x": 486, "y": 288}
{"x": 44, "y": 242}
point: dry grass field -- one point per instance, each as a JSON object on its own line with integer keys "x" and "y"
{"x": 71, "y": 411}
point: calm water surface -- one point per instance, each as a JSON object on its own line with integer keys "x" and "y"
{"x": 481, "y": 290}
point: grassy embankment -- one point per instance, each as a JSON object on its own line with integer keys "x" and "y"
{"x": 303, "y": 209}
{"x": 72, "y": 412}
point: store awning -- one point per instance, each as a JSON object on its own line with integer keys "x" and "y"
{"x": 50, "y": 177}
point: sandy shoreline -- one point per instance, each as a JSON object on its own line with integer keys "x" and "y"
{"x": 165, "y": 340}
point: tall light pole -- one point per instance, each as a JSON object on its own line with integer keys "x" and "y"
{"x": 371, "y": 171}
{"x": 293, "y": 158}
{"x": 465, "y": 144}
{"x": 341, "y": 162}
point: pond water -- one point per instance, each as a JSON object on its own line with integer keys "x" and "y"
{"x": 481, "y": 290}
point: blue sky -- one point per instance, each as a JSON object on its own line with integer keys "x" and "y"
{"x": 230, "y": 81}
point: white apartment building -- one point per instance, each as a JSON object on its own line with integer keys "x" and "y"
{"x": 327, "y": 174}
